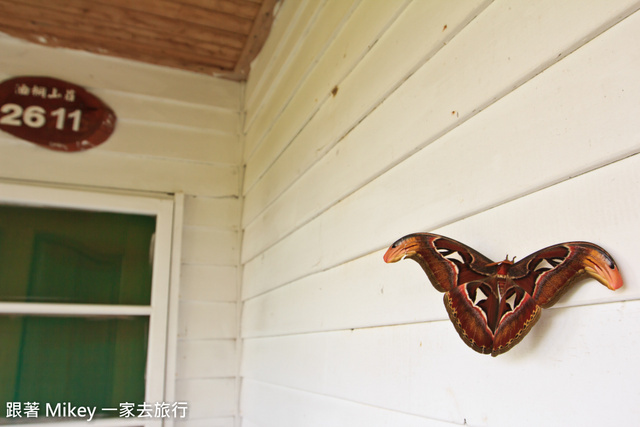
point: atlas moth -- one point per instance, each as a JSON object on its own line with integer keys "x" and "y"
{"x": 493, "y": 305}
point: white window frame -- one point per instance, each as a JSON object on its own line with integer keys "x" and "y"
{"x": 161, "y": 314}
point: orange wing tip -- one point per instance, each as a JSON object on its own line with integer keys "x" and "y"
{"x": 402, "y": 248}
{"x": 608, "y": 276}
{"x": 393, "y": 254}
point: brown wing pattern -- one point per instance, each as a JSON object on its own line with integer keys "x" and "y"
{"x": 447, "y": 262}
{"x": 548, "y": 273}
{"x": 494, "y": 305}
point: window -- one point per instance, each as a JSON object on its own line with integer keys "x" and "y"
{"x": 84, "y": 283}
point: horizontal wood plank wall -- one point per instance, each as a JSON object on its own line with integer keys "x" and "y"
{"x": 508, "y": 125}
{"x": 207, "y": 329}
{"x": 176, "y": 132}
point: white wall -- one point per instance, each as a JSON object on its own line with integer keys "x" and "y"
{"x": 176, "y": 132}
{"x": 508, "y": 125}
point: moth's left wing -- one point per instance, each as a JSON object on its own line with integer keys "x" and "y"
{"x": 548, "y": 273}
{"x": 447, "y": 262}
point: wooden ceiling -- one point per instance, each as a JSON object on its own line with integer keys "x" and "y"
{"x": 215, "y": 37}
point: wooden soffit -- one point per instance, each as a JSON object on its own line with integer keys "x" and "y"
{"x": 214, "y": 37}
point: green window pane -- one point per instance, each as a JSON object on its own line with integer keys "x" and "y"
{"x": 70, "y": 256}
{"x": 95, "y": 362}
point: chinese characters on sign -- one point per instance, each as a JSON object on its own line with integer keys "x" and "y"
{"x": 54, "y": 114}
{"x": 41, "y": 91}
{"x": 18, "y": 410}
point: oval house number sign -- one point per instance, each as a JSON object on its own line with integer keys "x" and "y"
{"x": 54, "y": 114}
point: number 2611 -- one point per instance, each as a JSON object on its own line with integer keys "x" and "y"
{"x": 35, "y": 116}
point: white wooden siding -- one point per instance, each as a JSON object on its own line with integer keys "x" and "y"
{"x": 508, "y": 125}
{"x": 454, "y": 85}
{"x": 176, "y": 132}
{"x": 355, "y": 38}
{"x": 424, "y": 369}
